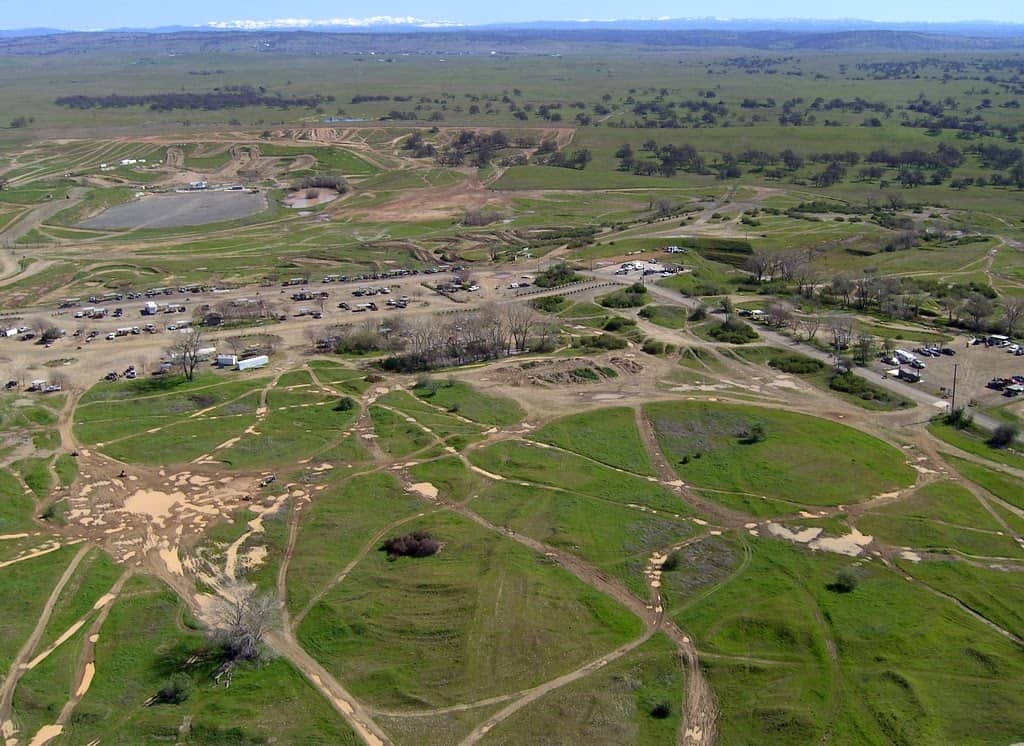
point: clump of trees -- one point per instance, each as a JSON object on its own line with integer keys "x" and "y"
{"x": 416, "y": 544}
{"x": 559, "y": 274}
{"x": 474, "y": 148}
{"x": 633, "y": 296}
{"x": 424, "y": 343}
{"x": 733, "y": 331}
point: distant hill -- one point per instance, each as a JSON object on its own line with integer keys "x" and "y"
{"x": 16, "y": 33}
{"x": 502, "y": 40}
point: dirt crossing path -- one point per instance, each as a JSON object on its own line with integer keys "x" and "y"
{"x": 343, "y": 702}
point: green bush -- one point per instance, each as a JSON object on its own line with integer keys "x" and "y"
{"x": 733, "y": 331}
{"x": 845, "y": 582}
{"x": 849, "y": 383}
{"x": 176, "y": 690}
{"x": 550, "y": 303}
{"x": 654, "y": 347}
{"x": 793, "y": 362}
{"x": 1003, "y": 436}
{"x": 959, "y": 418}
{"x": 616, "y": 323}
{"x": 602, "y": 342}
{"x": 661, "y": 710}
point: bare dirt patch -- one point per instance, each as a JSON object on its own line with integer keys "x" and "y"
{"x": 578, "y": 370}
{"x": 310, "y": 197}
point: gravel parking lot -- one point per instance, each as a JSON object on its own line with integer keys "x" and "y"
{"x": 179, "y": 209}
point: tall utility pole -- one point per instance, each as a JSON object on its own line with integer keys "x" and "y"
{"x": 952, "y": 401}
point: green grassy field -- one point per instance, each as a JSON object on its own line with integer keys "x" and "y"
{"x": 344, "y": 519}
{"x": 766, "y": 634}
{"x": 496, "y": 617}
{"x": 799, "y": 459}
{"x": 606, "y": 435}
{"x": 617, "y": 539}
{"x": 523, "y": 461}
{"x": 614, "y": 706}
{"x": 789, "y": 658}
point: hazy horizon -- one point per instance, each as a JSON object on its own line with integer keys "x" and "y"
{"x": 456, "y": 13}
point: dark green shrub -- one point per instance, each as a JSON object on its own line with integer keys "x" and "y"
{"x": 345, "y": 405}
{"x": 175, "y": 690}
{"x": 550, "y": 303}
{"x": 661, "y": 710}
{"x": 1003, "y": 436}
{"x": 845, "y": 582}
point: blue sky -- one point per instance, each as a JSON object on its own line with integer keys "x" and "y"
{"x": 75, "y": 14}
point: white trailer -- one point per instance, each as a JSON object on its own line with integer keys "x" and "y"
{"x": 252, "y": 363}
{"x": 227, "y": 361}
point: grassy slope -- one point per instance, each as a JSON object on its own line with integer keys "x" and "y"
{"x": 482, "y": 617}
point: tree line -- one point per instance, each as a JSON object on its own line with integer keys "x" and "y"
{"x": 225, "y": 98}
{"x": 414, "y": 344}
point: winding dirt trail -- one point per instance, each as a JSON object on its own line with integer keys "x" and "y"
{"x": 537, "y": 692}
{"x": 28, "y": 648}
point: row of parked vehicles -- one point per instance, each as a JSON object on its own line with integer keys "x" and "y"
{"x": 128, "y": 373}
{"x": 935, "y": 351}
{"x": 1013, "y": 386}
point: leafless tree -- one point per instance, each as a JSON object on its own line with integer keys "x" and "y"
{"x": 244, "y": 621}
{"x": 805, "y": 278}
{"x": 185, "y": 352}
{"x": 778, "y": 314}
{"x": 521, "y": 319}
{"x": 865, "y": 348}
{"x": 759, "y": 264}
{"x": 950, "y": 303}
{"x": 841, "y": 329}
{"x": 791, "y": 264}
{"x": 1013, "y": 309}
{"x": 843, "y": 287}
{"x": 978, "y": 308}
{"x": 811, "y": 324}
{"x": 547, "y": 333}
